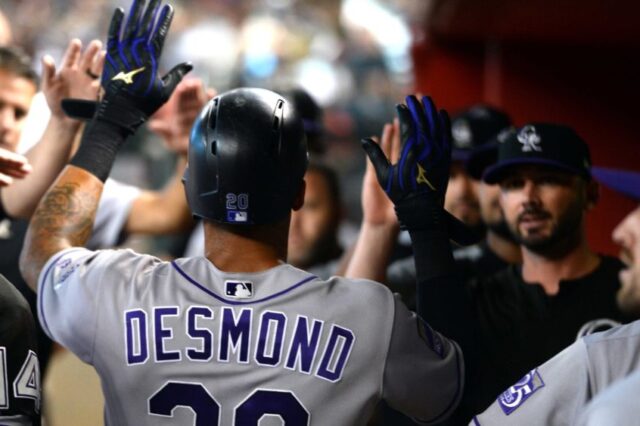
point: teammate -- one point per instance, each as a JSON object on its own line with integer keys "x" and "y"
{"x": 471, "y": 129}
{"x": 19, "y": 368}
{"x": 166, "y": 341}
{"x": 313, "y": 234}
{"x": 557, "y": 391}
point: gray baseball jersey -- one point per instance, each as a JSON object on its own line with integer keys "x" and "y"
{"x": 617, "y": 405}
{"x": 184, "y": 343}
{"x": 556, "y": 392}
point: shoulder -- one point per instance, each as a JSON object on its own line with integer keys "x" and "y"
{"x": 359, "y": 291}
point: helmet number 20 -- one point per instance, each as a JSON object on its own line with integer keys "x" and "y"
{"x": 237, "y": 201}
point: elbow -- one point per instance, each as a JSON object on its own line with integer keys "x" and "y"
{"x": 29, "y": 265}
{"x": 26, "y": 265}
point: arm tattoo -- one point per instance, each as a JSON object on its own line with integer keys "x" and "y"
{"x": 64, "y": 218}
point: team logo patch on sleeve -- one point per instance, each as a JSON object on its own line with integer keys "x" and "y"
{"x": 238, "y": 289}
{"x": 517, "y": 394}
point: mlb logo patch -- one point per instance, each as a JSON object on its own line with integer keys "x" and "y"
{"x": 517, "y": 394}
{"x": 237, "y": 216}
{"x": 238, "y": 289}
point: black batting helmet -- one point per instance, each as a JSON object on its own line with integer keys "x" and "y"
{"x": 247, "y": 158}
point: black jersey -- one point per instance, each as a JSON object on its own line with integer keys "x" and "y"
{"x": 521, "y": 326}
{"x": 19, "y": 369}
{"x": 506, "y": 326}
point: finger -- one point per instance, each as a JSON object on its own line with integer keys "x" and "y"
{"x": 162, "y": 28}
{"x": 396, "y": 142}
{"x": 15, "y": 172}
{"x": 385, "y": 140}
{"x": 173, "y": 77}
{"x": 379, "y": 161}
{"x": 115, "y": 28}
{"x": 88, "y": 56}
{"x": 418, "y": 116}
{"x": 48, "y": 71}
{"x": 432, "y": 116}
{"x": 98, "y": 63}
{"x": 407, "y": 129}
{"x": 72, "y": 54}
{"x": 5, "y": 180}
{"x": 133, "y": 21}
{"x": 148, "y": 19}
{"x": 9, "y": 157}
{"x": 210, "y": 93}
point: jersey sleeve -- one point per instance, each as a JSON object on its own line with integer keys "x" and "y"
{"x": 113, "y": 210}
{"x": 616, "y": 405}
{"x": 424, "y": 371}
{"x": 552, "y": 393}
{"x": 71, "y": 287}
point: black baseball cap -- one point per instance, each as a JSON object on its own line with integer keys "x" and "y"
{"x": 626, "y": 182}
{"x": 486, "y": 155}
{"x": 475, "y": 127}
{"x": 544, "y": 144}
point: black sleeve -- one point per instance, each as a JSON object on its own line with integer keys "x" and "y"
{"x": 447, "y": 304}
{"x": 18, "y": 356}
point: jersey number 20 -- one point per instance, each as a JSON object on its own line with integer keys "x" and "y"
{"x": 207, "y": 410}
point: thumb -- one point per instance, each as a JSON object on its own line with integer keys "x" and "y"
{"x": 173, "y": 77}
{"x": 378, "y": 159}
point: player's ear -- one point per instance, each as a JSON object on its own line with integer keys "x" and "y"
{"x": 299, "y": 200}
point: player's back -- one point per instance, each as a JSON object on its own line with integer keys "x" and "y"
{"x": 183, "y": 339}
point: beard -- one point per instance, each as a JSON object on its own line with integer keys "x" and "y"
{"x": 565, "y": 233}
{"x": 501, "y": 228}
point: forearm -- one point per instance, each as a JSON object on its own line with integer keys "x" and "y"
{"x": 64, "y": 218}
{"x": 47, "y": 158}
{"x": 372, "y": 252}
{"x": 161, "y": 212}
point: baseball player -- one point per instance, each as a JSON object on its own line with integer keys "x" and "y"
{"x": 177, "y": 343}
{"x": 19, "y": 368}
{"x": 556, "y": 392}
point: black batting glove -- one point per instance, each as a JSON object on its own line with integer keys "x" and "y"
{"x": 133, "y": 90}
{"x": 417, "y": 184}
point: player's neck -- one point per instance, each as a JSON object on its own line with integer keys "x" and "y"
{"x": 505, "y": 249}
{"x": 245, "y": 250}
{"x": 548, "y": 271}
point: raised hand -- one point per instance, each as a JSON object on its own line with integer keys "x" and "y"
{"x": 12, "y": 165}
{"x": 417, "y": 182}
{"x": 376, "y": 206}
{"x": 133, "y": 89}
{"x": 173, "y": 121}
{"x": 77, "y": 77}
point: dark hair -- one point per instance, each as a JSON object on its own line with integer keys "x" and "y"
{"x": 15, "y": 61}
{"x": 331, "y": 178}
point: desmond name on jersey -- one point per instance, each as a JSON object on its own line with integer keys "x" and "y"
{"x": 176, "y": 336}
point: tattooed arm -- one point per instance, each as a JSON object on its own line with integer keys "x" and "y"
{"x": 63, "y": 219}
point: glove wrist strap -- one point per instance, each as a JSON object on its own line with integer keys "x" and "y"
{"x": 118, "y": 109}
{"x": 421, "y": 211}
{"x": 100, "y": 143}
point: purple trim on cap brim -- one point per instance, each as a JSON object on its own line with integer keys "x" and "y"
{"x": 624, "y": 181}
{"x": 494, "y": 174}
